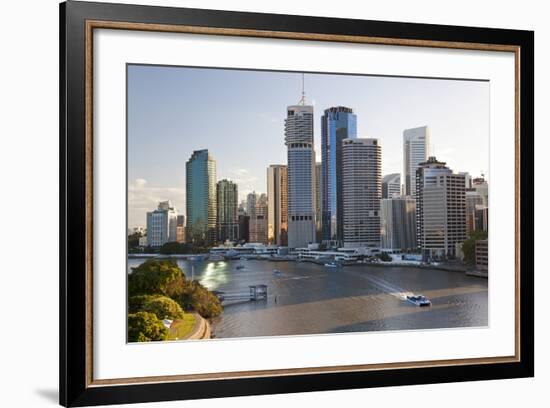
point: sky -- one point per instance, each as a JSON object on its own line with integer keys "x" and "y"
{"x": 238, "y": 115}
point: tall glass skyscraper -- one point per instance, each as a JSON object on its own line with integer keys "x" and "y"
{"x": 301, "y": 175}
{"x": 415, "y": 151}
{"x": 200, "y": 195}
{"x": 227, "y": 198}
{"x": 338, "y": 123}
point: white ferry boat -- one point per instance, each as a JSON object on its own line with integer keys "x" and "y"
{"x": 419, "y": 300}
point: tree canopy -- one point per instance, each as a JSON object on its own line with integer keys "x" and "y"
{"x": 156, "y": 277}
{"x": 145, "y": 326}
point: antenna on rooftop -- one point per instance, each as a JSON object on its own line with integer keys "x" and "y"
{"x": 303, "y": 99}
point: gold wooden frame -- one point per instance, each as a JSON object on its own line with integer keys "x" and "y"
{"x": 98, "y": 24}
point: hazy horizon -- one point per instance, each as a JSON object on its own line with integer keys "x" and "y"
{"x": 238, "y": 115}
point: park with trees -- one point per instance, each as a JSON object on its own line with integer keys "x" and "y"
{"x": 158, "y": 290}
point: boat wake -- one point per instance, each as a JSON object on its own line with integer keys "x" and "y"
{"x": 388, "y": 288}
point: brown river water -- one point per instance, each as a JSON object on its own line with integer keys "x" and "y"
{"x": 305, "y": 298}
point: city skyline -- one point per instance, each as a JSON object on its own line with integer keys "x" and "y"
{"x": 156, "y": 169}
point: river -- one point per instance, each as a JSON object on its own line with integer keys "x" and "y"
{"x": 306, "y": 298}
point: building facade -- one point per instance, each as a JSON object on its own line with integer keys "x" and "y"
{"x": 318, "y": 202}
{"x": 473, "y": 201}
{"x": 201, "y": 198}
{"x": 227, "y": 222}
{"x": 277, "y": 204}
{"x": 482, "y": 255}
{"x": 415, "y": 151}
{"x": 362, "y": 191}
{"x": 337, "y": 123}
{"x": 391, "y": 185}
{"x": 180, "y": 229}
{"x": 440, "y": 210}
{"x": 257, "y": 211}
{"x": 301, "y": 175}
{"x": 162, "y": 225}
{"x": 398, "y": 223}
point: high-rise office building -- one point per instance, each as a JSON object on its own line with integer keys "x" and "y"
{"x": 482, "y": 187}
{"x": 398, "y": 223}
{"x": 391, "y": 185}
{"x": 227, "y": 198}
{"x": 301, "y": 175}
{"x": 180, "y": 229}
{"x": 277, "y": 204}
{"x": 318, "y": 201}
{"x": 415, "y": 151}
{"x": 201, "y": 197}
{"x": 473, "y": 201}
{"x": 440, "y": 209}
{"x": 337, "y": 123}
{"x": 162, "y": 224}
{"x": 257, "y": 210}
{"x": 362, "y": 191}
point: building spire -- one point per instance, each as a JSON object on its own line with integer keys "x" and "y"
{"x": 303, "y": 99}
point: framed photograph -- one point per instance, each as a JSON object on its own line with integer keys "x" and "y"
{"x": 256, "y": 204}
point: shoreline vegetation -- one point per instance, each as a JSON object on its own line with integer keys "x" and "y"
{"x": 164, "y": 305}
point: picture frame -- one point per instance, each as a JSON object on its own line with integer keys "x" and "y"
{"x": 79, "y": 20}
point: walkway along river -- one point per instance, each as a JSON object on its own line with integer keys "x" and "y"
{"x": 306, "y": 298}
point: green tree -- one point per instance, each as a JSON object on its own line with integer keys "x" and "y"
{"x": 469, "y": 246}
{"x": 156, "y": 277}
{"x": 144, "y": 326}
{"x": 384, "y": 256}
{"x": 199, "y": 299}
{"x": 135, "y": 303}
{"x": 163, "y": 307}
{"x": 133, "y": 239}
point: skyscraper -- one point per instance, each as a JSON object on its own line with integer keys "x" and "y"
{"x": 257, "y": 210}
{"x": 318, "y": 201}
{"x": 473, "y": 201}
{"x": 227, "y": 198}
{"x": 391, "y": 185}
{"x": 162, "y": 224}
{"x": 277, "y": 204}
{"x": 398, "y": 223}
{"x": 415, "y": 151}
{"x": 440, "y": 209}
{"x": 301, "y": 174}
{"x": 337, "y": 123}
{"x": 180, "y": 229}
{"x": 362, "y": 191}
{"x": 201, "y": 197}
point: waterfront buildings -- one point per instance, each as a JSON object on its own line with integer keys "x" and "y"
{"x": 301, "y": 174}
{"x": 473, "y": 201}
{"x": 162, "y": 224}
{"x": 337, "y": 123}
{"x": 227, "y": 223}
{"x": 277, "y": 204}
{"x": 398, "y": 223}
{"x": 180, "y": 229}
{"x": 391, "y": 185}
{"x": 482, "y": 187}
{"x": 415, "y": 151}
{"x": 244, "y": 226}
{"x": 482, "y": 255}
{"x": 440, "y": 209}
{"x": 318, "y": 201}
{"x": 482, "y": 218}
{"x": 201, "y": 198}
{"x": 257, "y": 211}
{"x": 362, "y": 191}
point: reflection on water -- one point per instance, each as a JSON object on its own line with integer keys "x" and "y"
{"x": 306, "y": 298}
